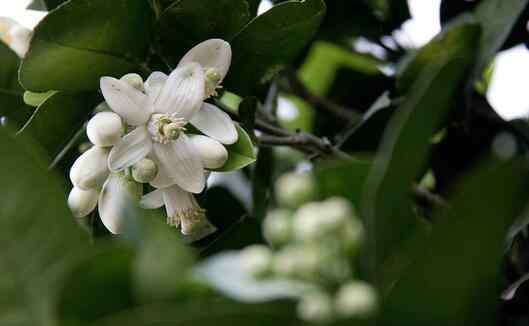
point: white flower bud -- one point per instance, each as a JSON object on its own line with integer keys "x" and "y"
{"x": 316, "y": 307}
{"x": 277, "y": 226}
{"x": 309, "y": 222}
{"x": 356, "y": 300}
{"x": 90, "y": 170}
{"x": 212, "y": 153}
{"x": 144, "y": 171}
{"x": 294, "y": 189}
{"x": 82, "y": 202}
{"x": 296, "y": 261}
{"x": 337, "y": 211}
{"x": 105, "y": 129}
{"x": 134, "y": 80}
{"x": 256, "y": 260}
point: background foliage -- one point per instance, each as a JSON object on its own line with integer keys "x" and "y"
{"x": 439, "y": 179}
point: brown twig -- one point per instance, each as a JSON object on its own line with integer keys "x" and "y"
{"x": 298, "y": 88}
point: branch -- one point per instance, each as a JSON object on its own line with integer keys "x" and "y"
{"x": 302, "y": 91}
{"x": 424, "y": 195}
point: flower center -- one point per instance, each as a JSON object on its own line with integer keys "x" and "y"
{"x": 213, "y": 80}
{"x": 165, "y": 128}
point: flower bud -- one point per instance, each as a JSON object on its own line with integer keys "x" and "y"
{"x": 90, "y": 170}
{"x": 144, "y": 171}
{"x": 212, "y": 153}
{"x": 309, "y": 222}
{"x": 337, "y": 211}
{"x": 296, "y": 261}
{"x": 82, "y": 202}
{"x": 105, "y": 129}
{"x": 293, "y": 189}
{"x": 315, "y": 307}
{"x": 277, "y": 227}
{"x": 256, "y": 260}
{"x": 356, "y": 300}
{"x": 134, "y": 80}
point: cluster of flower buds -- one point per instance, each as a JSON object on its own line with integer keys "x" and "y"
{"x": 316, "y": 243}
{"x": 141, "y": 135}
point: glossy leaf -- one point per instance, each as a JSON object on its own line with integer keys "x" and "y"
{"x": 270, "y": 41}
{"x": 186, "y": 23}
{"x": 103, "y": 38}
{"x": 240, "y": 154}
{"x": 59, "y": 118}
{"x": 406, "y": 143}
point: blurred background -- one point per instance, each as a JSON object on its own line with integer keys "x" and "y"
{"x": 507, "y": 88}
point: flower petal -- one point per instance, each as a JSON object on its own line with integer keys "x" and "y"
{"x": 152, "y": 200}
{"x": 130, "y": 149}
{"x": 116, "y": 198}
{"x": 90, "y": 170}
{"x": 131, "y": 104}
{"x": 215, "y": 123}
{"x": 179, "y": 164}
{"x": 183, "y": 92}
{"x": 211, "y": 152}
{"x": 213, "y": 53}
{"x": 154, "y": 84}
{"x": 82, "y": 202}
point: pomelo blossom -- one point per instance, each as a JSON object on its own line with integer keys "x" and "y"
{"x": 157, "y": 117}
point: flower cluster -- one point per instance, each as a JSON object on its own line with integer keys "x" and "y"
{"x": 315, "y": 244}
{"x": 145, "y": 138}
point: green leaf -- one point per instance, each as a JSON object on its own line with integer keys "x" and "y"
{"x": 461, "y": 260}
{"x": 188, "y": 22}
{"x": 247, "y": 111}
{"x": 240, "y": 154}
{"x": 59, "y": 118}
{"x": 405, "y": 147}
{"x": 103, "y": 38}
{"x": 40, "y": 241}
{"x": 9, "y": 69}
{"x": 262, "y": 182}
{"x": 497, "y": 18}
{"x": 271, "y": 41}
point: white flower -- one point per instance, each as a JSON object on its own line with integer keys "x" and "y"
{"x": 277, "y": 226}
{"x": 159, "y": 116}
{"x": 16, "y": 36}
{"x": 82, "y": 202}
{"x": 356, "y": 299}
{"x": 294, "y": 189}
{"x": 182, "y": 210}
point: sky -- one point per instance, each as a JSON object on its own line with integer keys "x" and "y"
{"x": 507, "y": 92}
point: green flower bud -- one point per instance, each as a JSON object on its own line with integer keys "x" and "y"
{"x": 316, "y": 307}
{"x": 257, "y": 260}
{"x": 144, "y": 171}
{"x": 294, "y": 189}
{"x": 277, "y": 227}
{"x": 356, "y": 300}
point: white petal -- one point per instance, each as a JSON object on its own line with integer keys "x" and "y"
{"x": 179, "y": 164}
{"x": 154, "y": 84}
{"x": 183, "y": 92}
{"x": 213, "y": 53}
{"x": 132, "y": 148}
{"x": 131, "y": 104}
{"x": 82, "y": 202}
{"x": 105, "y": 129}
{"x": 115, "y": 202}
{"x": 212, "y": 153}
{"x": 176, "y": 202}
{"x": 90, "y": 170}
{"x": 152, "y": 200}
{"x": 215, "y": 123}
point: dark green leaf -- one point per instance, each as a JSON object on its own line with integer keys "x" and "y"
{"x": 59, "y": 118}
{"x": 461, "y": 261}
{"x": 247, "y": 110}
{"x": 38, "y": 235}
{"x": 188, "y": 22}
{"x": 262, "y": 182}
{"x": 437, "y": 77}
{"x": 270, "y": 41}
{"x": 103, "y": 38}
{"x": 240, "y": 154}
{"x": 9, "y": 69}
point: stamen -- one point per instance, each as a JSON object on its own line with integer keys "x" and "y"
{"x": 165, "y": 128}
